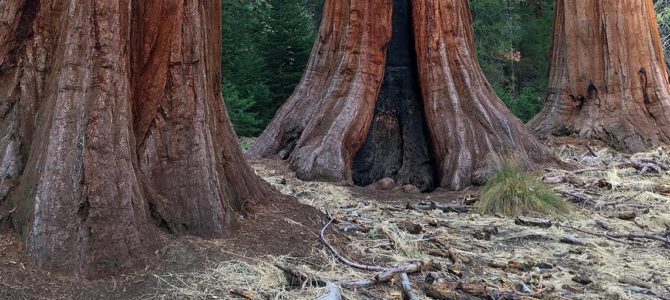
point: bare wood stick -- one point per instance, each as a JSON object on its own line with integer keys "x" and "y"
{"x": 341, "y": 257}
{"x": 628, "y": 235}
{"x": 297, "y": 278}
{"x": 596, "y": 234}
{"x": 243, "y": 293}
{"x": 593, "y": 153}
{"x": 387, "y": 274}
{"x": 408, "y": 292}
{"x": 333, "y": 292}
{"x": 641, "y": 235}
{"x": 447, "y": 208}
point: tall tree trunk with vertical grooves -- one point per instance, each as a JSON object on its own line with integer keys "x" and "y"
{"x": 393, "y": 89}
{"x": 113, "y": 130}
{"x": 607, "y": 76}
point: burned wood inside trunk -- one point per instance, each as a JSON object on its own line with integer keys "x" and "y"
{"x": 398, "y": 145}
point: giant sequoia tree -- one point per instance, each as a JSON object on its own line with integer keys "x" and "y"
{"x": 113, "y": 130}
{"x": 607, "y": 76}
{"x": 393, "y": 89}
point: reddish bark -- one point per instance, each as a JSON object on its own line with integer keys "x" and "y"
{"x": 607, "y": 77}
{"x": 465, "y": 123}
{"x": 112, "y": 126}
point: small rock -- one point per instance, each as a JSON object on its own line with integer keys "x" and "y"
{"x": 498, "y": 264}
{"x": 410, "y": 227}
{"x": 635, "y": 282}
{"x": 411, "y": 189}
{"x": 572, "y": 240}
{"x": 603, "y": 225}
{"x": 572, "y": 288}
{"x": 545, "y": 266}
{"x": 576, "y": 251}
{"x": 525, "y": 221}
{"x": 302, "y": 194}
{"x": 522, "y": 287}
{"x": 491, "y": 229}
{"x": 627, "y": 216}
{"x": 482, "y": 235}
{"x": 385, "y": 184}
{"x": 582, "y": 279}
{"x": 282, "y": 181}
{"x": 516, "y": 265}
{"x": 555, "y": 179}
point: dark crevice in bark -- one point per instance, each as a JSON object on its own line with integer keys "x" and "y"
{"x": 398, "y": 144}
{"x": 23, "y": 31}
{"x": 160, "y": 222}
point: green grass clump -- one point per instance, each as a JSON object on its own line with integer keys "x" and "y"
{"x": 514, "y": 192}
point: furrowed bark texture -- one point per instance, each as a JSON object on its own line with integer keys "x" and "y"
{"x": 607, "y": 76}
{"x": 436, "y": 121}
{"x": 326, "y": 120}
{"x": 468, "y": 123}
{"x": 112, "y": 127}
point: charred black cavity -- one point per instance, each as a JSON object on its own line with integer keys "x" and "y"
{"x": 398, "y": 145}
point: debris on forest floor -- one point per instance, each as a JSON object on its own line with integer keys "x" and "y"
{"x": 613, "y": 246}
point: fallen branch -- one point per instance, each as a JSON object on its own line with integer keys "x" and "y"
{"x": 628, "y": 235}
{"x": 243, "y": 293}
{"x": 343, "y": 258}
{"x": 624, "y": 201}
{"x": 447, "y": 208}
{"x": 408, "y": 292}
{"x": 577, "y": 197}
{"x": 333, "y": 292}
{"x": 527, "y": 221}
{"x": 641, "y": 235}
{"x": 386, "y": 275}
{"x": 297, "y": 278}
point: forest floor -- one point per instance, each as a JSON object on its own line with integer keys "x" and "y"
{"x": 579, "y": 256}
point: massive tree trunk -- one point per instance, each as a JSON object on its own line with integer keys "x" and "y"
{"x": 113, "y": 130}
{"x": 607, "y": 76}
{"x": 393, "y": 89}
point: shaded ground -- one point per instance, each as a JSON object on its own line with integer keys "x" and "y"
{"x": 378, "y": 227}
{"x": 284, "y": 228}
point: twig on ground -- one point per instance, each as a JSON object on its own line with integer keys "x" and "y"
{"x": 447, "y": 208}
{"x": 408, "y": 292}
{"x": 341, "y": 257}
{"x": 628, "y": 235}
{"x": 577, "y": 197}
{"x": 243, "y": 293}
{"x": 333, "y": 292}
{"x": 385, "y": 274}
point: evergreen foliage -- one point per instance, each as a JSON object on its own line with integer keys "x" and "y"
{"x": 513, "y": 38}
{"x": 266, "y": 45}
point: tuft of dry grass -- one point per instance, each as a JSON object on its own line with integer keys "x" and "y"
{"x": 514, "y": 192}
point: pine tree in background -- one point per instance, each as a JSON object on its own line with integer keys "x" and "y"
{"x": 266, "y": 44}
{"x": 513, "y": 39}
{"x": 243, "y": 66}
{"x": 286, "y": 48}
